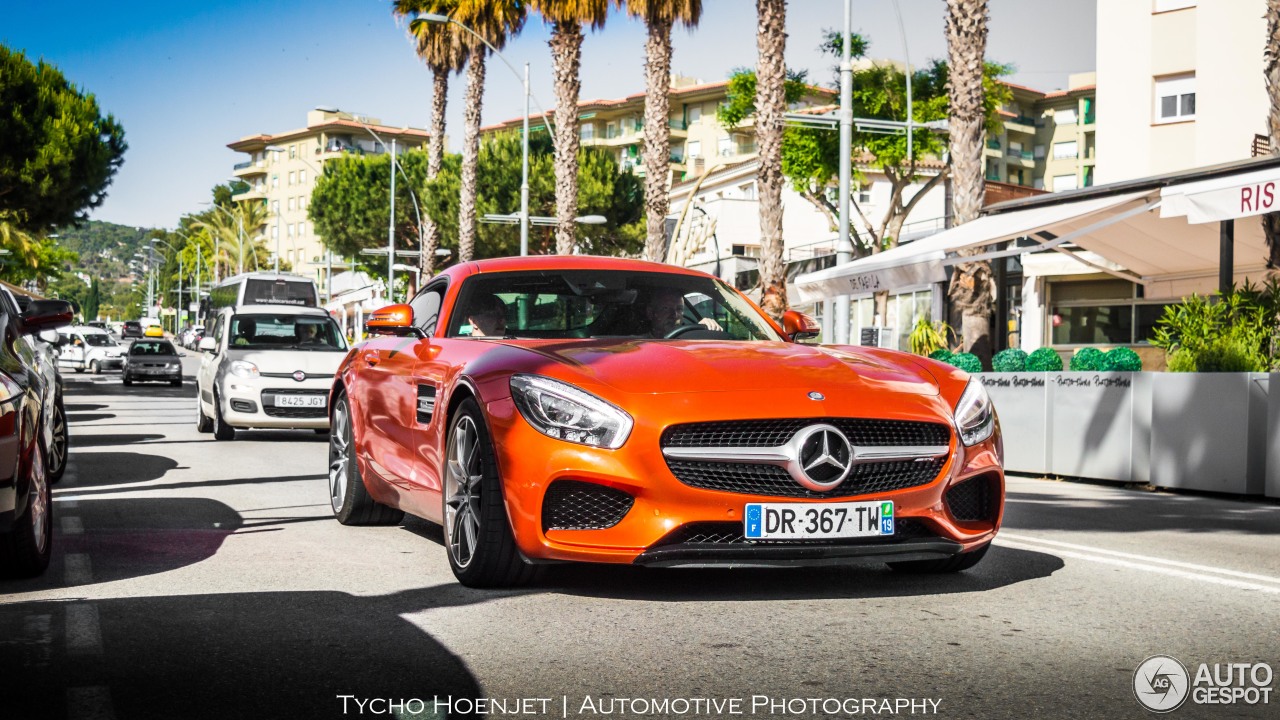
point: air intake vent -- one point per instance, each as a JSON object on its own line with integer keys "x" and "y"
{"x": 574, "y": 505}
{"x": 972, "y": 500}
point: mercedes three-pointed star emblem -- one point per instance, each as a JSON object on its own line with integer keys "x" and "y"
{"x": 825, "y": 457}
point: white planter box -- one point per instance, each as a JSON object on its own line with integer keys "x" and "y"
{"x": 1021, "y": 402}
{"x": 1273, "y": 441}
{"x": 1208, "y": 431}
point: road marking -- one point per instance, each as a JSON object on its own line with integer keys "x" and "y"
{"x": 89, "y": 703}
{"x": 69, "y": 504}
{"x": 84, "y": 635}
{"x": 1172, "y": 568}
{"x": 71, "y": 525}
{"x": 76, "y": 570}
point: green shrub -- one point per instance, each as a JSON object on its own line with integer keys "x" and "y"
{"x": 1087, "y": 360}
{"x": 967, "y": 362}
{"x": 1182, "y": 360}
{"x": 927, "y": 338}
{"x": 1044, "y": 360}
{"x": 1011, "y": 360}
{"x": 942, "y": 355}
{"x": 1122, "y": 359}
{"x": 1229, "y": 355}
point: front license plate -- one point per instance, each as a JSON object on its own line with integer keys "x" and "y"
{"x": 305, "y": 401}
{"x": 817, "y": 521}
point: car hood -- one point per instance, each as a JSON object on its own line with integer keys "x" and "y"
{"x": 638, "y": 366}
{"x": 311, "y": 362}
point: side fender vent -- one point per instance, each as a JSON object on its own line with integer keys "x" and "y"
{"x": 426, "y": 403}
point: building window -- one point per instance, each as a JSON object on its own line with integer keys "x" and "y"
{"x": 1065, "y": 116}
{"x": 695, "y": 113}
{"x": 293, "y": 151}
{"x": 1065, "y": 182}
{"x": 275, "y": 181}
{"x": 693, "y": 149}
{"x": 1039, "y": 152}
{"x": 302, "y": 176}
{"x": 275, "y": 231}
{"x": 864, "y": 193}
{"x": 293, "y": 177}
{"x": 725, "y": 147}
{"x": 588, "y": 131}
{"x": 275, "y": 206}
{"x": 1167, "y": 5}
{"x": 1175, "y": 98}
{"x": 748, "y": 191}
{"x": 1065, "y": 150}
{"x": 291, "y": 203}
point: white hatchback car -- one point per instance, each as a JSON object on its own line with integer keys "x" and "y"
{"x": 267, "y": 366}
{"x": 84, "y": 347}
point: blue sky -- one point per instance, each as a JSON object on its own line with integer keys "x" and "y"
{"x": 185, "y": 79}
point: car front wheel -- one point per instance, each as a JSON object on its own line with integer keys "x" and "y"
{"x": 60, "y": 442}
{"x": 482, "y": 550}
{"x": 204, "y": 423}
{"x": 350, "y": 500}
{"x": 26, "y": 548}
{"x": 221, "y": 430}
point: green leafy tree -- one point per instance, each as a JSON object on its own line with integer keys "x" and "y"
{"x": 93, "y": 301}
{"x": 349, "y": 204}
{"x": 59, "y": 153}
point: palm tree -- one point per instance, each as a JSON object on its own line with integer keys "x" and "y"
{"x": 1271, "y": 70}
{"x": 771, "y": 74}
{"x": 660, "y": 16}
{"x": 566, "y": 18}
{"x": 225, "y": 229}
{"x": 972, "y": 284}
{"x": 443, "y": 50}
{"x": 495, "y": 21}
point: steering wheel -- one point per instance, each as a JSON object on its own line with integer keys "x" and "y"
{"x": 679, "y": 330}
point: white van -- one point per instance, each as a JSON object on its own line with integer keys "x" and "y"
{"x": 83, "y": 347}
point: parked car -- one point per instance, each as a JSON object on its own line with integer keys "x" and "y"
{"x": 27, "y": 402}
{"x": 550, "y": 409}
{"x": 267, "y": 366}
{"x": 152, "y": 360}
{"x": 192, "y": 335}
{"x": 46, "y": 346}
{"x": 153, "y": 331}
{"x": 131, "y": 329}
{"x": 89, "y": 348}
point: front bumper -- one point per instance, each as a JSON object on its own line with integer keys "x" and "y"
{"x": 253, "y": 402}
{"x": 670, "y": 523}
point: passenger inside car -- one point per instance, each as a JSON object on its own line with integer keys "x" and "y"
{"x": 488, "y": 316}
{"x": 245, "y": 332}
{"x": 664, "y": 312}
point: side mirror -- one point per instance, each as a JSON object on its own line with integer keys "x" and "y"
{"x": 182, "y": 354}
{"x": 46, "y": 314}
{"x": 208, "y": 344}
{"x": 390, "y": 320}
{"x": 799, "y": 326}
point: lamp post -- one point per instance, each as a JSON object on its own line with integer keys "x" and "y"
{"x": 178, "y": 317}
{"x": 240, "y": 236}
{"x": 524, "y": 149}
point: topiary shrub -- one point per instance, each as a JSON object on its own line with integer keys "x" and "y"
{"x": 1044, "y": 360}
{"x": 1087, "y": 360}
{"x": 1182, "y": 360}
{"x": 942, "y": 355}
{"x": 967, "y": 362}
{"x": 1121, "y": 359}
{"x": 1011, "y": 360}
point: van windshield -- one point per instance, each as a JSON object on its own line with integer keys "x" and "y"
{"x": 285, "y": 332}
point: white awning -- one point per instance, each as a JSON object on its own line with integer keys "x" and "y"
{"x": 1223, "y": 198}
{"x": 921, "y": 261}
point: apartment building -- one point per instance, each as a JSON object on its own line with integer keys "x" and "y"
{"x": 282, "y": 168}
{"x": 698, "y": 140}
{"x": 1048, "y": 140}
{"x": 1181, "y": 83}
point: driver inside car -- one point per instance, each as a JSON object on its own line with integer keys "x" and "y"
{"x": 665, "y": 312}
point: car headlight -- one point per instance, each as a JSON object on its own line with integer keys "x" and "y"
{"x": 975, "y": 415}
{"x": 564, "y": 412}
{"x": 175, "y": 366}
{"x": 244, "y": 369}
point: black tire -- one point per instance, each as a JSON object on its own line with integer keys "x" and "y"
{"x": 953, "y": 564}
{"x": 320, "y": 431}
{"x": 221, "y": 430}
{"x": 204, "y": 423}
{"x": 26, "y": 548}
{"x": 348, "y": 497}
{"x": 126, "y": 379}
{"x": 60, "y": 444}
{"x": 95, "y": 368}
{"x": 79, "y": 370}
{"x": 477, "y": 533}
{"x": 176, "y": 383}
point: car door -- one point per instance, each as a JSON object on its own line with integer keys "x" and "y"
{"x": 209, "y": 365}
{"x": 73, "y": 352}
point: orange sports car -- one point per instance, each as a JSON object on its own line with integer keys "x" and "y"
{"x": 550, "y": 409}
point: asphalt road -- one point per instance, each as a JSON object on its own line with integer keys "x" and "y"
{"x": 198, "y": 579}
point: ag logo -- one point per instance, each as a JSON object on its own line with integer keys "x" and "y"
{"x": 1161, "y": 683}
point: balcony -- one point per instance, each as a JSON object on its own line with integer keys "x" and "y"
{"x": 255, "y": 192}
{"x": 249, "y": 168}
{"x": 1021, "y": 124}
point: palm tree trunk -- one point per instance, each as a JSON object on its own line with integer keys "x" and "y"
{"x": 470, "y": 156}
{"x": 971, "y": 290}
{"x": 566, "y": 54}
{"x": 435, "y": 157}
{"x": 771, "y": 43}
{"x": 1271, "y": 68}
{"x": 657, "y": 137}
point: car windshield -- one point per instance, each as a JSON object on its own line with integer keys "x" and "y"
{"x": 602, "y": 303}
{"x": 152, "y": 348}
{"x": 286, "y": 332}
{"x": 99, "y": 340}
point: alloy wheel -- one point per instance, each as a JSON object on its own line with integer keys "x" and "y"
{"x": 462, "y": 492}
{"x": 339, "y": 460}
{"x": 39, "y": 502}
{"x": 58, "y": 448}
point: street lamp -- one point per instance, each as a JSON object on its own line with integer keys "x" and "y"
{"x": 178, "y": 317}
{"x": 240, "y": 237}
{"x": 524, "y": 148}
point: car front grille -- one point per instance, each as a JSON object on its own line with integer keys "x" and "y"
{"x": 774, "y": 481}
{"x": 297, "y": 413}
{"x": 730, "y": 533}
{"x": 972, "y": 500}
{"x": 574, "y": 505}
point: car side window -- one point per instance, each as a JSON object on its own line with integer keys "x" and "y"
{"x": 217, "y": 331}
{"x": 426, "y": 308}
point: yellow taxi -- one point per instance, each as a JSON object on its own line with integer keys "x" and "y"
{"x": 153, "y": 331}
